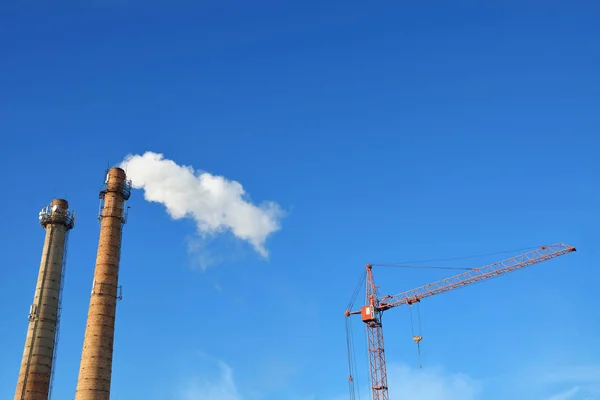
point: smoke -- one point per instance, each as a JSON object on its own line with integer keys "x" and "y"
{"x": 214, "y": 202}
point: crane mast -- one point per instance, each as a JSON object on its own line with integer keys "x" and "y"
{"x": 371, "y": 315}
{"x": 372, "y": 312}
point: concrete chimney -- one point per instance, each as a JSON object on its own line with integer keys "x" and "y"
{"x": 36, "y": 372}
{"x": 96, "y": 358}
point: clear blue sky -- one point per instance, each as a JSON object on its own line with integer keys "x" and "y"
{"x": 388, "y": 131}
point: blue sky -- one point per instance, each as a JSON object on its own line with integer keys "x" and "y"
{"x": 386, "y": 132}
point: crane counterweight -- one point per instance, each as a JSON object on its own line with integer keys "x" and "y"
{"x": 367, "y": 313}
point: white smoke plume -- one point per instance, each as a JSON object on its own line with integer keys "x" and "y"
{"x": 214, "y": 202}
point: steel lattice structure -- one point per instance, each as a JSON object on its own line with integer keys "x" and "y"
{"x": 371, "y": 313}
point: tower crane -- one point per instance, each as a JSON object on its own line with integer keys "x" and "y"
{"x": 371, "y": 313}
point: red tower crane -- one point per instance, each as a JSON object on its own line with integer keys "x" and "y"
{"x": 375, "y": 306}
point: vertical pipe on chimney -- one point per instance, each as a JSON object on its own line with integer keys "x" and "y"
{"x": 96, "y": 359}
{"x": 44, "y": 314}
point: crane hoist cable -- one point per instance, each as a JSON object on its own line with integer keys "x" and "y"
{"x": 357, "y": 289}
{"x": 416, "y": 338}
{"x": 402, "y": 263}
{"x": 419, "y": 266}
{"x": 352, "y": 372}
{"x": 349, "y": 346}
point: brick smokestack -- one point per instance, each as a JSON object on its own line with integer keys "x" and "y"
{"x": 96, "y": 358}
{"x": 36, "y": 372}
